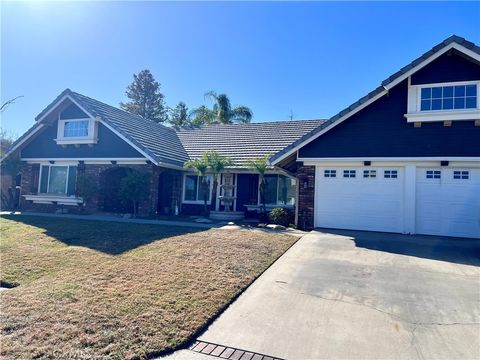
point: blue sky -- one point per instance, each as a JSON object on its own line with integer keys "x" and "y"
{"x": 311, "y": 58}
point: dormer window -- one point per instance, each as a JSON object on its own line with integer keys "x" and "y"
{"x": 75, "y": 128}
{"x": 444, "y": 102}
{"x": 448, "y": 97}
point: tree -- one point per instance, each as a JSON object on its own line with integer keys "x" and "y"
{"x": 202, "y": 116}
{"x": 6, "y": 141}
{"x": 87, "y": 187}
{"x": 146, "y": 98}
{"x": 222, "y": 111}
{"x": 216, "y": 163}
{"x": 260, "y": 165}
{"x": 201, "y": 166}
{"x": 134, "y": 187}
{"x": 179, "y": 115}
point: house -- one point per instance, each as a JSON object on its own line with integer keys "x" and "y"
{"x": 76, "y": 135}
{"x": 405, "y": 158}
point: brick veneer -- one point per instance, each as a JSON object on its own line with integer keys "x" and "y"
{"x": 147, "y": 206}
{"x": 306, "y": 197}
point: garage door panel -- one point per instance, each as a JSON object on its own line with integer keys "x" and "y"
{"x": 448, "y": 206}
{"x": 359, "y": 203}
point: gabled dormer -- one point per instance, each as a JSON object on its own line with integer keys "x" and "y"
{"x": 74, "y": 127}
{"x": 446, "y": 89}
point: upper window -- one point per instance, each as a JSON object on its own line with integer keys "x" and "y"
{"x": 279, "y": 190}
{"x": 57, "y": 179}
{"x": 75, "y": 128}
{"x": 448, "y": 97}
{"x": 193, "y": 188}
{"x": 449, "y": 101}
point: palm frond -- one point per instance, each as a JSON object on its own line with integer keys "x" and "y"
{"x": 241, "y": 114}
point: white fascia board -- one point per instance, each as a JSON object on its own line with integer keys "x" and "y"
{"x": 40, "y": 126}
{"x": 424, "y": 63}
{"x": 59, "y": 102}
{"x": 75, "y": 161}
{"x": 331, "y": 126}
{"x": 431, "y": 158}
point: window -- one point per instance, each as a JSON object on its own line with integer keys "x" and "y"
{"x": 464, "y": 175}
{"x": 349, "y": 173}
{"x": 390, "y": 174}
{"x": 330, "y": 173}
{"x": 369, "y": 173}
{"x": 279, "y": 190}
{"x": 448, "y": 97}
{"x": 75, "y": 128}
{"x": 58, "y": 179}
{"x": 193, "y": 190}
{"x": 433, "y": 174}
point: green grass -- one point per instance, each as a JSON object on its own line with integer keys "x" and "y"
{"x": 115, "y": 290}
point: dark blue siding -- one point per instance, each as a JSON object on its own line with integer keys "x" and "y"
{"x": 109, "y": 146}
{"x": 72, "y": 112}
{"x": 381, "y": 130}
{"x": 447, "y": 68}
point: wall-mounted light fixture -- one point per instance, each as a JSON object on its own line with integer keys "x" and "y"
{"x": 443, "y": 163}
{"x": 114, "y": 162}
{"x": 367, "y": 163}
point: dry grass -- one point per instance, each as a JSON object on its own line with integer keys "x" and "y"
{"x": 112, "y": 290}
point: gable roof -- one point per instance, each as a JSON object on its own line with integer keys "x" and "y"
{"x": 168, "y": 146}
{"x": 453, "y": 41}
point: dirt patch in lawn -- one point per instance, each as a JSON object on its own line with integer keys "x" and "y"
{"x": 113, "y": 290}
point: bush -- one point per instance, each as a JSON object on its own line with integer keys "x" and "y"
{"x": 87, "y": 188}
{"x": 280, "y": 216}
{"x": 134, "y": 187}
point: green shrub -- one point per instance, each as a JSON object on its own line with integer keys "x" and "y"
{"x": 134, "y": 187}
{"x": 87, "y": 187}
{"x": 281, "y": 216}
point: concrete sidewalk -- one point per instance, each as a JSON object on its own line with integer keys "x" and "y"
{"x": 357, "y": 295}
{"x": 190, "y": 224}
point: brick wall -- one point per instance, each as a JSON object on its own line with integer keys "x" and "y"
{"x": 306, "y": 196}
{"x": 148, "y": 206}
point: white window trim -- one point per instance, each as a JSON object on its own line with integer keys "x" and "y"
{"x": 48, "y": 180}
{"x": 197, "y": 202}
{"x": 278, "y": 184}
{"x": 461, "y": 178}
{"x": 91, "y": 138}
{"x": 414, "y": 114}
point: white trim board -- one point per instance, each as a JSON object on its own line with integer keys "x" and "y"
{"x": 387, "y": 87}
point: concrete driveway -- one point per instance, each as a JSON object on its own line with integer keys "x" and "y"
{"x": 360, "y": 295}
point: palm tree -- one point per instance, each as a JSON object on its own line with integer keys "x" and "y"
{"x": 221, "y": 112}
{"x": 216, "y": 163}
{"x": 260, "y": 165}
{"x": 201, "y": 166}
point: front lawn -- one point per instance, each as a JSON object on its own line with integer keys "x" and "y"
{"x": 114, "y": 290}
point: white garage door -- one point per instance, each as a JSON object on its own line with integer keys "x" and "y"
{"x": 448, "y": 202}
{"x": 361, "y": 198}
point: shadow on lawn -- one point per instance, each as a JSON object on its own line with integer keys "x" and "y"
{"x": 108, "y": 237}
{"x": 455, "y": 250}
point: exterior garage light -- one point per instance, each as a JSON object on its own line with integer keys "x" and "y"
{"x": 444, "y": 163}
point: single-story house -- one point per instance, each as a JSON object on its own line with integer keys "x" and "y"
{"x": 405, "y": 158}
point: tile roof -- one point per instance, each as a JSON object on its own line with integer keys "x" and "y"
{"x": 159, "y": 141}
{"x": 244, "y": 141}
{"x": 452, "y": 39}
{"x": 176, "y": 146}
